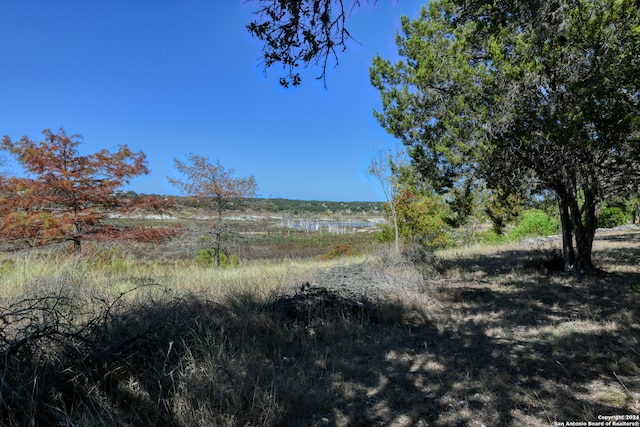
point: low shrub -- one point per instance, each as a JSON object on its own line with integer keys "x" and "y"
{"x": 340, "y": 250}
{"x": 491, "y": 237}
{"x": 385, "y": 235}
{"x": 111, "y": 260}
{"x": 206, "y": 258}
{"x": 612, "y": 217}
{"x": 534, "y": 222}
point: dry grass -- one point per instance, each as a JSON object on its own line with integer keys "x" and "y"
{"x": 482, "y": 336}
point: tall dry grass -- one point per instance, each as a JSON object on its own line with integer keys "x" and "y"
{"x": 109, "y": 342}
{"x": 470, "y": 337}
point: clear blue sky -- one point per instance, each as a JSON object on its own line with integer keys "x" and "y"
{"x": 170, "y": 78}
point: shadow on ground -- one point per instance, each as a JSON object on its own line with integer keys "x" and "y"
{"x": 505, "y": 350}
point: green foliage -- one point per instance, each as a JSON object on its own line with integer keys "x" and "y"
{"x": 502, "y": 209}
{"x": 206, "y": 258}
{"x": 491, "y": 237}
{"x": 613, "y": 216}
{"x": 534, "y": 222}
{"x": 520, "y": 95}
{"x": 111, "y": 260}
{"x": 385, "y": 235}
{"x": 462, "y": 204}
{"x": 422, "y": 219}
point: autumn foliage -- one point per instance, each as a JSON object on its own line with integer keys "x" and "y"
{"x": 67, "y": 196}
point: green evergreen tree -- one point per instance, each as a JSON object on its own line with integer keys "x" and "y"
{"x": 539, "y": 95}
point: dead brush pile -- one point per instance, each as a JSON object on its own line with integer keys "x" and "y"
{"x": 95, "y": 362}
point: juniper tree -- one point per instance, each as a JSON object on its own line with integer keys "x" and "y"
{"x": 542, "y": 95}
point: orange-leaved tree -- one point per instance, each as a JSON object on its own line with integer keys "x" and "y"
{"x": 67, "y": 196}
{"x": 216, "y": 185}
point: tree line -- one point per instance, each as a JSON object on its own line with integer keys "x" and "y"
{"x": 293, "y": 206}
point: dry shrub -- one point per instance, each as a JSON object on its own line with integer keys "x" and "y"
{"x": 410, "y": 256}
{"x": 340, "y": 250}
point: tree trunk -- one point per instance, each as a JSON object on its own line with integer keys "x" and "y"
{"x": 584, "y": 222}
{"x": 77, "y": 240}
{"x": 216, "y": 249}
{"x": 394, "y": 214}
{"x": 218, "y": 236}
{"x": 579, "y": 224}
{"x": 568, "y": 253}
{"x": 586, "y": 232}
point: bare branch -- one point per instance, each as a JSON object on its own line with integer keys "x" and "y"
{"x": 298, "y": 32}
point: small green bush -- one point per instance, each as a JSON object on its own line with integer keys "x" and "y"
{"x": 6, "y": 267}
{"x": 490, "y": 237}
{"x": 385, "y": 235}
{"x": 111, "y": 260}
{"x": 206, "y": 258}
{"x": 534, "y": 222}
{"x": 612, "y": 217}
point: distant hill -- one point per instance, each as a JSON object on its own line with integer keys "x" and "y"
{"x": 315, "y": 206}
{"x": 290, "y": 206}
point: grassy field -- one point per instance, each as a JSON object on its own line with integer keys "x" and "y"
{"x": 492, "y": 336}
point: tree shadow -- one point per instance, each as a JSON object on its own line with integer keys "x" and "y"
{"x": 541, "y": 348}
{"x": 610, "y": 248}
{"x": 528, "y": 349}
{"x": 530, "y": 367}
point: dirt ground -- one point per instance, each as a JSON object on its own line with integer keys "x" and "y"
{"x": 498, "y": 338}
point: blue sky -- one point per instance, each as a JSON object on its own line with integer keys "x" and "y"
{"x": 170, "y": 78}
